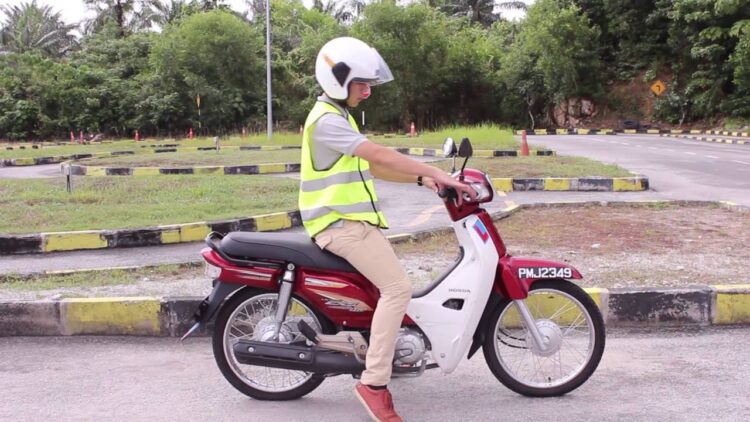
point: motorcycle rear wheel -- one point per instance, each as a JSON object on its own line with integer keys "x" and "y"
{"x": 568, "y": 319}
{"x": 248, "y": 314}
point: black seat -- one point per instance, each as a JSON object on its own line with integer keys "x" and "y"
{"x": 288, "y": 247}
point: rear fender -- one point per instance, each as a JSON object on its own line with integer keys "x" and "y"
{"x": 519, "y": 273}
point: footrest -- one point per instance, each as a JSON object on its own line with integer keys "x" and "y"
{"x": 307, "y": 331}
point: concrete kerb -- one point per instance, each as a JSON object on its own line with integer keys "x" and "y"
{"x": 149, "y": 236}
{"x": 705, "y": 139}
{"x": 585, "y": 184}
{"x": 265, "y": 168}
{"x": 609, "y": 131}
{"x": 170, "y": 316}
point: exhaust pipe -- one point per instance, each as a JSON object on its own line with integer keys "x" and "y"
{"x": 298, "y": 357}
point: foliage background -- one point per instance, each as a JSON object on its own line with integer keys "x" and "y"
{"x": 140, "y": 64}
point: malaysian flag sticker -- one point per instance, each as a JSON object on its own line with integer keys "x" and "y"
{"x": 481, "y": 230}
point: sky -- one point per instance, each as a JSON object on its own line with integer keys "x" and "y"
{"x": 74, "y": 10}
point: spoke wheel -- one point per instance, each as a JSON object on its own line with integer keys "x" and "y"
{"x": 249, "y": 314}
{"x": 573, "y": 331}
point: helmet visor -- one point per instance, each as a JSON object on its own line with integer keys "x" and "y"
{"x": 384, "y": 74}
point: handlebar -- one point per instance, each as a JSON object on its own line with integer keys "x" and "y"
{"x": 451, "y": 193}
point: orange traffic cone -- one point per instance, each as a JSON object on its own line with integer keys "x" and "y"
{"x": 137, "y": 136}
{"x": 524, "y": 144}
{"x": 412, "y": 130}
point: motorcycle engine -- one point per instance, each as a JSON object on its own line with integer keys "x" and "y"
{"x": 410, "y": 347}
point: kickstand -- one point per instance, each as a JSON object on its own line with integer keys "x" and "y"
{"x": 307, "y": 331}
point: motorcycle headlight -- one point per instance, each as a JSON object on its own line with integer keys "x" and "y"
{"x": 481, "y": 190}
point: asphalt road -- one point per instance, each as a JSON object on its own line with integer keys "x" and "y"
{"x": 677, "y": 168}
{"x": 660, "y": 376}
{"x": 30, "y": 172}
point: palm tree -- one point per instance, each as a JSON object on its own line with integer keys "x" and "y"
{"x": 127, "y": 15}
{"x": 340, "y": 12}
{"x": 169, "y": 11}
{"x": 481, "y": 11}
{"x": 30, "y": 27}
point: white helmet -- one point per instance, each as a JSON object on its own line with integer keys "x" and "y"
{"x": 347, "y": 59}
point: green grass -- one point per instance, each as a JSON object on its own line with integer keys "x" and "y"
{"x": 40, "y": 205}
{"x": 92, "y": 278}
{"x": 540, "y": 167}
{"x": 197, "y": 158}
{"x": 482, "y": 137}
{"x": 48, "y": 149}
{"x": 486, "y": 136}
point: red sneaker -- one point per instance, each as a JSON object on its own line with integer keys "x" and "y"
{"x": 379, "y": 403}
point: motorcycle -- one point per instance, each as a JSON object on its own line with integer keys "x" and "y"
{"x": 288, "y": 314}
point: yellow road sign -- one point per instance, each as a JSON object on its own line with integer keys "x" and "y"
{"x": 658, "y": 87}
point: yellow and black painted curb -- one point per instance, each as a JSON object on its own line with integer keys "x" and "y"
{"x": 21, "y": 146}
{"x": 160, "y": 235}
{"x": 155, "y": 149}
{"x": 609, "y": 131}
{"x": 430, "y": 152}
{"x": 266, "y": 168}
{"x": 567, "y": 184}
{"x": 716, "y": 140}
{"x": 717, "y": 305}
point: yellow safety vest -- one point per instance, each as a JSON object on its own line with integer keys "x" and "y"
{"x": 343, "y": 191}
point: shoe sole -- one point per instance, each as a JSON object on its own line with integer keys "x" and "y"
{"x": 364, "y": 404}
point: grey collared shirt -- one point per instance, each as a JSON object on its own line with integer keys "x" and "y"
{"x": 333, "y": 136}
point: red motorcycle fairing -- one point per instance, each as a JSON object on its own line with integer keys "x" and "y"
{"x": 516, "y": 274}
{"x": 346, "y": 299}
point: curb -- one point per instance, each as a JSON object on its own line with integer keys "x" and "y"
{"x": 704, "y": 139}
{"x": 36, "y": 161}
{"x": 606, "y": 131}
{"x": 717, "y": 305}
{"x": 580, "y": 184}
{"x": 266, "y": 168}
{"x": 148, "y": 236}
{"x": 430, "y": 152}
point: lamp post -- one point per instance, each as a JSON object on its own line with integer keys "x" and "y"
{"x": 269, "y": 111}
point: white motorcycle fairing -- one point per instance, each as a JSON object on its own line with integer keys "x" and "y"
{"x": 450, "y": 331}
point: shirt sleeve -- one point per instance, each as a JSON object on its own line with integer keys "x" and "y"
{"x": 333, "y": 131}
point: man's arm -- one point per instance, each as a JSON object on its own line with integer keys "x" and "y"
{"x": 387, "y": 163}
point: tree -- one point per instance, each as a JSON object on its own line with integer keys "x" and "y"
{"x": 30, "y": 27}
{"x": 127, "y": 15}
{"x": 480, "y": 11}
{"x": 170, "y": 11}
{"x": 339, "y": 11}
{"x": 215, "y": 55}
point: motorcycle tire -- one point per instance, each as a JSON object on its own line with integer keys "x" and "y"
{"x": 501, "y": 345}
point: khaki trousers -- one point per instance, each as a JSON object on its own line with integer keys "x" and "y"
{"x": 367, "y": 250}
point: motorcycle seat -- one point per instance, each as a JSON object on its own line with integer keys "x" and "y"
{"x": 287, "y": 247}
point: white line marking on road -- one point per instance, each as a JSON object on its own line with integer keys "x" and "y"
{"x": 639, "y": 146}
{"x": 670, "y": 149}
{"x": 689, "y": 153}
{"x": 424, "y": 216}
{"x": 652, "y": 148}
{"x": 712, "y": 156}
{"x": 740, "y": 162}
{"x": 625, "y": 143}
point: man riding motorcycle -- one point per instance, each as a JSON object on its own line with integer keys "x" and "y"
{"x": 339, "y": 206}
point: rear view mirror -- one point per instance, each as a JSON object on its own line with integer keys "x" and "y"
{"x": 465, "y": 150}
{"x": 449, "y": 148}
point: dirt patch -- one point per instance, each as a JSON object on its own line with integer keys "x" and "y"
{"x": 657, "y": 246}
{"x": 623, "y": 246}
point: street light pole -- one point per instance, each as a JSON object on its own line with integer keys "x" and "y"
{"x": 269, "y": 111}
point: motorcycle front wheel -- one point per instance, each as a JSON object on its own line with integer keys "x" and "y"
{"x": 573, "y": 331}
{"x": 249, "y": 314}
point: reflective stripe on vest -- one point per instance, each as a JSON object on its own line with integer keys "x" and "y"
{"x": 344, "y": 191}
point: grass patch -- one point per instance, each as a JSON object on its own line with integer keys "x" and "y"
{"x": 197, "y": 158}
{"x": 92, "y": 278}
{"x": 482, "y": 137}
{"x": 41, "y": 205}
{"x": 487, "y": 136}
{"x": 540, "y": 167}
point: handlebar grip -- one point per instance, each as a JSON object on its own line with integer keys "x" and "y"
{"x": 447, "y": 193}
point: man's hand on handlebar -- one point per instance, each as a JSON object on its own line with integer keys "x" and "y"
{"x": 443, "y": 180}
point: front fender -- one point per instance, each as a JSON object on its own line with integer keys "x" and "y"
{"x": 517, "y": 274}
